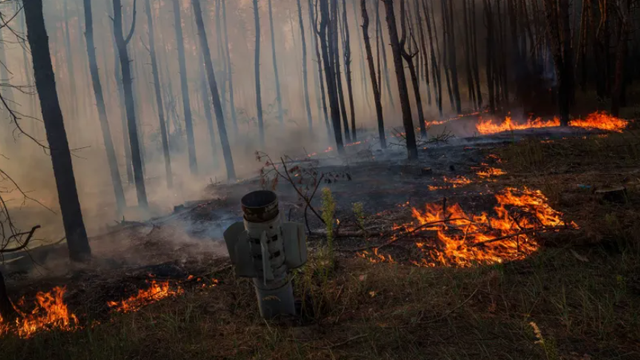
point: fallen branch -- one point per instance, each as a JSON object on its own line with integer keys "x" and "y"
{"x": 24, "y": 244}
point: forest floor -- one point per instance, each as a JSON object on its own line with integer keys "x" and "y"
{"x": 577, "y": 296}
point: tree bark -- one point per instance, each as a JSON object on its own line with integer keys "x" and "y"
{"x": 158, "y": 93}
{"x": 381, "y": 46}
{"x": 184, "y": 86}
{"x": 206, "y": 104}
{"x": 73, "y": 222}
{"x": 326, "y": 35}
{"x": 434, "y": 59}
{"x": 114, "y": 171}
{"x": 73, "y": 98}
{"x": 275, "y": 67}
{"x": 397, "y": 46}
{"x": 256, "y": 16}
{"x": 213, "y": 86}
{"x": 415, "y": 80}
{"x": 372, "y": 74}
{"x": 305, "y": 72}
{"x": 127, "y": 83}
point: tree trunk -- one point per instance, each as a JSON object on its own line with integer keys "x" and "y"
{"x": 127, "y": 83}
{"x": 222, "y": 56}
{"x": 381, "y": 46}
{"x": 7, "y": 311}
{"x": 489, "y": 55}
{"x": 397, "y": 46}
{"x": 363, "y": 73}
{"x": 561, "y": 51}
{"x": 305, "y": 72}
{"x": 213, "y": 86}
{"x": 346, "y": 45}
{"x": 326, "y": 36}
{"x": 75, "y": 231}
{"x": 423, "y": 48}
{"x": 184, "y": 86}
{"x": 114, "y": 171}
{"x": 232, "y": 101}
{"x": 158, "y": 92}
{"x": 475, "y": 57}
{"x": 206, "y": 104}
{"x": 256, "y": 16}
{"x": 275, "y": 67}
{"x": 467, "y": 51}
{"x": 313, "y": 20}
{"x": 453, "y": 65}
{"x": 335, "y": 43}
{"x": 372, "y": 74}
{"x": 435, "y": 69}
{"x": 621, "y": 56}
{"x": 73, "y": 98}
{"x": 415, "y": 80}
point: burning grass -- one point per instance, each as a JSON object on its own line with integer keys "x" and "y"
{"x": 597, "y": 120}
{"x": 156, "y": 292}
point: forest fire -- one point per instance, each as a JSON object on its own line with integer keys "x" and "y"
{"x": 156, "y": 292}
{"x": 50, "y": 313}
{"x": 465, "y": 239}
{"x": 490, "y": 172}
{"x": 597, "y": 120}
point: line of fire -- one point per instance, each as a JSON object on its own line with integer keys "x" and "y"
{"x": 320, "y": 179}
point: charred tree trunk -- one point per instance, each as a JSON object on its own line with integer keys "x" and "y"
{"x": 468, "y": 50}
{"x": 275, "y": 67}
{"x": 75, "y": 231}
{"x": 372, "y": 74}
{"x": 621, "y": 56}
{"x": 423, "y": 48}
{"x": 127, "y": 83}
{"x": 305, "y": 72}
{"x": 222, "y": 55}
{"x": 475, "y": 61}
{"x": 326, "y": 36}
{"x": 232, "y": 101}
{"x": 213, "y": 87}
{"x": 320, "y": 92}
{"x": 256, "y": 17}
{"x": 346, "y": 46}
{"x": 7, "y": 311}
{"x": 335, "y": 44}
{"x": 184, "y": 86}
{"x": 435, "y": 69}
{"x": 453, "y": 61}
{"x": 114, "y": 171}
{"x": 415, "y": 80}
{"x": 397, "y": 46}
{"x": 489, "y": 55}
{"x": 562, "y": 53}
{"x": 158, "y": 93}
{"x": 363, "y": 74}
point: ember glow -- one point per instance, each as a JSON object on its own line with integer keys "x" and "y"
{"x": 490, "y": 172}
{"x": 455, "y": 182}
{"x": 374, "y": 257}
{"x": 50, "y": 313}
{"x": 156, "y": 292}
{"x": 597, "y": 120}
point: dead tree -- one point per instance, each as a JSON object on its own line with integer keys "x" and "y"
{"x": 397, "y": 46}
{"x": 468, "y": 49}
{"x": 114, "y": 171}
{"x": 73, "y": 222}
{"x": 232, "y": 101}
{"x": 451, "y": 53}
{"x": 372, "y": 74}
{"x": 184, "y": 87}
{"x": 208, "y": 115}
{"x": 213, "y": 87}
{"x": 346, "y": 46}
{"x": 275, "y": 67}
{"x": 305, "y": 72}
{"x": 127, "y": 82}
{"x": 256, "y": 17}
{"x": 475, "y": 58}
{"x": 423, "y": 48}
{"x": 326, "y": 36}
{"x": 158, "y": 93}
{"x": 489, "y": 51}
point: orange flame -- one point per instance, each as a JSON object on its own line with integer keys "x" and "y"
{"x": 156, "y": 292}
{"x": 50, "y": 313}
{"x": 466, "y": 239}
{"x": 375, "y": 258}
{"x": 597, "y": 120}
{"x": 491, "y": 172}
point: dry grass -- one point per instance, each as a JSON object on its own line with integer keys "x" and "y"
{"x": 565, "y": 302}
